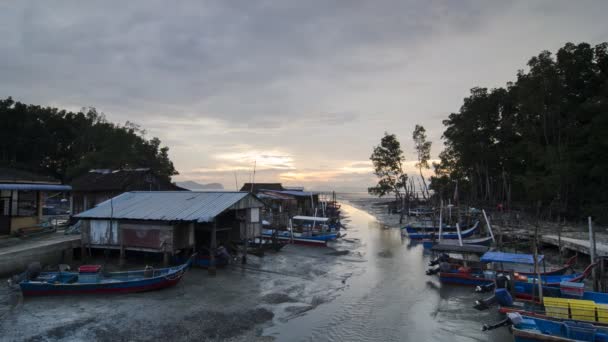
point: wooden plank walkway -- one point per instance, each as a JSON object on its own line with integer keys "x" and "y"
{"x": 576, "y": 245}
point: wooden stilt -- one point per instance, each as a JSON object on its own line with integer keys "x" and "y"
{"x": 213, "y": 246}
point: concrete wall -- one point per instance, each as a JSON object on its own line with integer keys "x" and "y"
{"x": 16, "y": 261}
{"x": 18, "y": 222}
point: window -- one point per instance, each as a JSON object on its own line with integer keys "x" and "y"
{"x": 255, "y": 215}
{"x": 26, "y": 203}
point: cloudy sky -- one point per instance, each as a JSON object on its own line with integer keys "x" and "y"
{"x": 305, "y": 88}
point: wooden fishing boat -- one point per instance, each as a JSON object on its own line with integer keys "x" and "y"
{"x": 538, "y": 329}
{"x": 523, "y": 283}
{"x": 447, "y": 236}
{"x": 564, "y": 303}
{"x": 91, "y": 279}
{"x": 299, "y": 238}
{"x": 307, "y": 230}
{"x": 412, "y": 228}
{"x": 484, "y": 241}
{"x": 457, "y": 263}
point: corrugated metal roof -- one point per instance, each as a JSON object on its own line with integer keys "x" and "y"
{"x": 296, "y": 193}
{"x": 41, "y": 187}
{"x": 200, "y": 206}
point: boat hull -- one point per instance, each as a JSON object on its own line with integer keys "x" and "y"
{"x": 450, "y": 236}
{"x": 521, "y": 288}
{"x": 46, "y": 289}
{"x": 479, "y": 242}
{"x": 303, "y": 241}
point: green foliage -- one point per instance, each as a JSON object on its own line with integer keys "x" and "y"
{"x": 541, "y": 139}
{"x": 423, "y": 152}
{"x": 388, "y": 167}
{"x": 67, "y": 144}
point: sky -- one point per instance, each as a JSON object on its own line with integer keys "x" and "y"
{"x": 303, "y": 89}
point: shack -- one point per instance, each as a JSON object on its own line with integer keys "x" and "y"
{"x": 257, "y": 187}
{"x": 99, "y": 185}
{"x": 171, "y": 222}
{"x": 22, "y": 195}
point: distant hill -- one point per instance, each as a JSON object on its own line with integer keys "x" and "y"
{"x": 192, "y": 185}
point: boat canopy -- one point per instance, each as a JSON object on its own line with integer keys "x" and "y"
{"x": 514, "y": 258}
{"x": 311, "y": 218}
{"x": 451, "y": 248}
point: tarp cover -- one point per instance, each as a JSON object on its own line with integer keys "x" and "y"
{"x": 514, "y": 258}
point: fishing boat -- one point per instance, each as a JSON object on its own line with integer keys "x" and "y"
{"x": 523, "y": 283}
{"x": 528, "y": 328}
{"x": 448, "y": 236}
{"x": 484, "y": 241}
{"x": 411, "y": 228}
{"x": 568, "y": 301}
{"x": 91, "y": 279}
{"x": 457, "y": 262}
{"x": 304, "y": 230}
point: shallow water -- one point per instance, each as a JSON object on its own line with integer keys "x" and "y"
{"x": 389, "y": 297}
{"x": 368, "y": 286}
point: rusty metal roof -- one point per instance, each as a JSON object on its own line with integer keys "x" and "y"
{"x": 199, "y": 206}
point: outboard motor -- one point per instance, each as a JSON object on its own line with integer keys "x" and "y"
{"x": 484, "y": 288}
{"x": 513, "y": 318}
{"x": 32, "y": 272}
{"x": 501, "y": 297}
{"x": 443, "y": 257}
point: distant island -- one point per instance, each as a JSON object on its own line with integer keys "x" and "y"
{"x": 192, "y": 185}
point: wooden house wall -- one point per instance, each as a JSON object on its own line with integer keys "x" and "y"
{"x": 149, "y": 235}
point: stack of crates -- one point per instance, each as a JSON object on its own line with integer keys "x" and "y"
{"x": 582, "y": 310}
{"x": 576, "y": 309}
{"x": 602, "y": 312}
{"x": 557, "y": 307}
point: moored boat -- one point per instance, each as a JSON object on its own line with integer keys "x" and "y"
{"x": 484, "y": 241}
{"x": 449, "y": 235}
{"x": 528, "y": 328}
{"x": 305, "y": 230}
{"x": 91, "y": 279}
{"x": 412, "y": 228}
{"x": 523, "y": 283}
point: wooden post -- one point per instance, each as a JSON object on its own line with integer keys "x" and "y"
{"x": 440, "y": 219}
{"x": 121, "y": 259}
{"x": 592, "y": 253}
{"x": 488, "y": 224}
{"x": 212, "y": 247}
{"x": 536, "y": 268}
{"x": 459, "y": 236}
{"x": 559, "y": 245}
{"x": 602, "y": 276}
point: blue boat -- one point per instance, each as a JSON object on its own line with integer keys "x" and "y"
{"x": 304, "y": 238}
{"x": 91, "y": 279}
{"x": 527, "y": 328}
{"x": 305, "y": 230}
{"x": 430, "y": 236}
{"x": 524, "y": 284}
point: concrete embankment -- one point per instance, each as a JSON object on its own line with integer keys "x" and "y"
{"x": 16, "y": 254}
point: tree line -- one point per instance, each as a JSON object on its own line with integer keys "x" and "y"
{"x": 539, "y": 143}
{"x": 67, "y": 144}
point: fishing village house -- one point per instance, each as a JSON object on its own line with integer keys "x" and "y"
{"x": 22, "y": 195}
{"x": 171, "y": 222}
{"x": 99, "y": 185}
{"x": 282, "y": 202}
